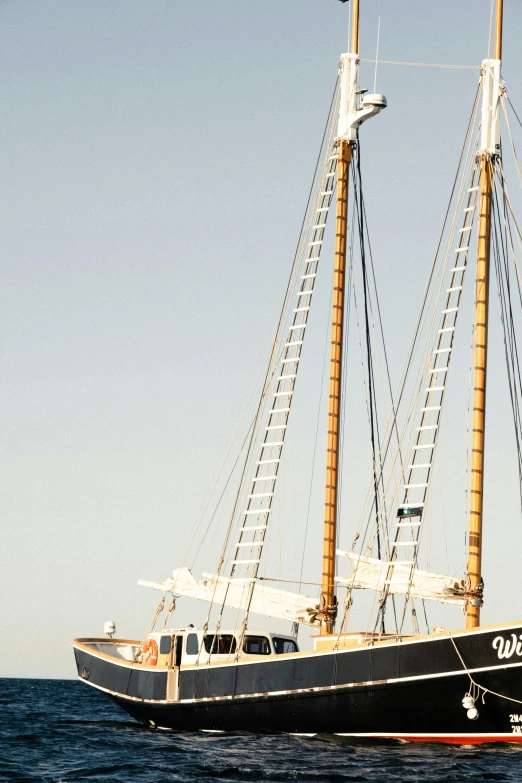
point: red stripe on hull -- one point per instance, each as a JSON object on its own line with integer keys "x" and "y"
{"x": 465, "y": 740}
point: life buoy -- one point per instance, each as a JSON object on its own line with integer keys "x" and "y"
{"x": 150, "y": 653}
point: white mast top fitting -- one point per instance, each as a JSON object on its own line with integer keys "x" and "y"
{"x": 492, "y": 89}
{"x": 353, "y": 112}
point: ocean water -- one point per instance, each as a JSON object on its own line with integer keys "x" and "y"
{"x": 60, "y": 731}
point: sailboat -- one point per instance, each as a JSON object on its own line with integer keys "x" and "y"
{"x": 462, "y": 686}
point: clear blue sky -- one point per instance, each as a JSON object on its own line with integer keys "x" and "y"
{"x": 156, "y": 158}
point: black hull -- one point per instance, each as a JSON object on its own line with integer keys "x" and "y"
{"x": 417, "y": 711}
{"x": 417, "y": 695}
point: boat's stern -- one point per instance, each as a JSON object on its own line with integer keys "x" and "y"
{"x": 110, "y": 665}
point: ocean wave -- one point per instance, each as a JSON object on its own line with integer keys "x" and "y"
{"x": 60, "y": 732}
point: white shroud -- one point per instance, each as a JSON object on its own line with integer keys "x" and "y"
{"x": 372, "y": 574}
{"x": 221, "y": 590}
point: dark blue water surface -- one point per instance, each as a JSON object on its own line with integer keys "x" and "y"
{"x": 61, "y": 731}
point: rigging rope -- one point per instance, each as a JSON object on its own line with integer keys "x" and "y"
{"x": 421, "y": 320}
{"x": 421, "y": 65}
{"x": 465, "y": 160}
{"x": 374, "y": 431}
{"x": 480, "y": 688}
{"x": 501, "y": 262}
{"x": 315, "y": 206}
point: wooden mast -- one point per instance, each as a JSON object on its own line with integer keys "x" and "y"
{"x": 498, "y": 31}
{"x": 487, "y": 162}
{"x": 355, "y": 27}
{"x": 336, "y": 351}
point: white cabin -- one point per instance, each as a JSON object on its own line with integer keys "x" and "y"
{"x": 186, "y": 646}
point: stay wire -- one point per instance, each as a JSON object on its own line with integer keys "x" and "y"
{"x": 501, "y": 262}
{"x": 315, "y": 183}
{"x": 368, "y": 344}
{"x": 428, "y": 287}
{"x": 426, "y": 296}
{"x": 502, "y": 265}
{"x": 374, "y": 434}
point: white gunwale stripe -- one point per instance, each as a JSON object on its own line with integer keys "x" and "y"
{"x": 458, "y": 672}
{"x": 408, "y": 641}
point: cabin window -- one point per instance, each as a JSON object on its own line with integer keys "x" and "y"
{"x": 164, "y": 646}
{"x": 224, "y": 644}
{"x": 257, "y": 645}
{"x": 284, "y": 645}
{"x": 192, "y": 644}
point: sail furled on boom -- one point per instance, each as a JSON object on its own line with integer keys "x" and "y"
{"x": 370, "y": 573}
{"x": 234, "y": 593}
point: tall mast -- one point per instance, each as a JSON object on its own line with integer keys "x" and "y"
{"x": 488, "y": 154}
{"x": 355, "y": 27}
{"x": 334, "y": 401}
{"x": 350, "y": 117}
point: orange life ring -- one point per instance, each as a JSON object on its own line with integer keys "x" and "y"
{"x": 152, "y": 659}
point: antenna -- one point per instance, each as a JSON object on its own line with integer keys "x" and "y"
{"x": 377, "y": 55}
{"x": 490, "y": 27}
